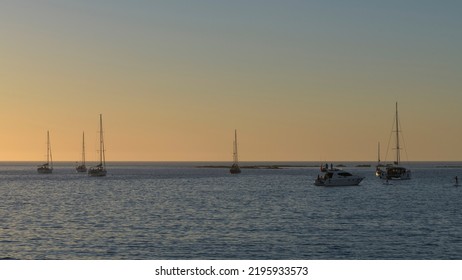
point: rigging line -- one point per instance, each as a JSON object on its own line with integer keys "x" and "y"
{"x": 389, "y": 138}
{"x": 96, "y": 146}
{"x": 404, "y": 141}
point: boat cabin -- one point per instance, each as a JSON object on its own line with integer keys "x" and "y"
{"x": 338, "y": 173}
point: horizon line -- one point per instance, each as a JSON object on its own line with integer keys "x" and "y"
{"x": 173, "y": 161}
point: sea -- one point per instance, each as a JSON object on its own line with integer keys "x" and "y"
{"x": 198, "y": 211}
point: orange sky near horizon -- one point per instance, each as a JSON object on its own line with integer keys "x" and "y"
{"x": 299, "y": 81}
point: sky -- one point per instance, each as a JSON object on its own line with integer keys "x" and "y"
{"x": 299, "y": 80}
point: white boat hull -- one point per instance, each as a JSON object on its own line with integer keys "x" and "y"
{"x": 339, "y": 182}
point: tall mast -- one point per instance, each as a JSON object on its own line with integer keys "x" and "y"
{"x": 48, "y": 147}
{"x": 83, "y": 148}
{"x": 235, "y": 147}
{"x": 378, "y": 152}
{"x": 49, "y": 155}
{"x": 102, "y": 159}
{"x": 398, "y": 157}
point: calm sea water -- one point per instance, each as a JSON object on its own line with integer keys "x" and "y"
{"x": 177, "y": 211}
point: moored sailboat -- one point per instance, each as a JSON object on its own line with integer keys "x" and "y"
{"x": 82, "y": 167}
{"x": 395, "y": 171}
{"x": 47, "y": 167}
{"x": 100, "y": 169}
{"x": 235, "y": 167}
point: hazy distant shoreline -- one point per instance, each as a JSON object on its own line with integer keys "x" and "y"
{"x": 254, "y": 166}
{"x": 246, "y": 164}
{"x": 276, "y": 166}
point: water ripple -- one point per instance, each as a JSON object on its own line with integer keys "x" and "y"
{"x": 145, "y": 212}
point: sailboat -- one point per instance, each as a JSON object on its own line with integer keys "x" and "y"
{"x": 100, "y": 169}
{"x": 378, "y": 169}
{"x": 235, "y": 167}
{"x": 395, "y": 171}
{"x": 82, "y": 168}
{"x": 47, "y": 167}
